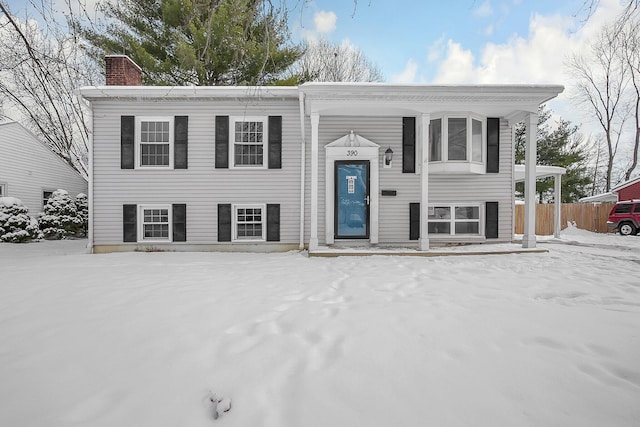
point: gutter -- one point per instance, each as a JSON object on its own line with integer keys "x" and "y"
{"x": 302, "y": 167}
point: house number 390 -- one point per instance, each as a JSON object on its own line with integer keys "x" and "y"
{"x": 352, "y": 153}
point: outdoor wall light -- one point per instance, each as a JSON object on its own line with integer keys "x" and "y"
{"x": 388, "y": 157}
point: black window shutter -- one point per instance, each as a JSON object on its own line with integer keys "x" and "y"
{"x": 408, "y": 144}
{"x": 129, "y": 223}
{"x": 275, "y": 142}
{"x": 224, "y": 223}
{"x": 273, "y": 223}
{"x": 127, "y": 142}
{"x": 222, "y": 141}
{"x": 491, "y": 220}
{"x": 180, "y": 141}
{"x": 414, "y": 221}
{"x": 179, "y": 222}
{"x": 493, "y": 145}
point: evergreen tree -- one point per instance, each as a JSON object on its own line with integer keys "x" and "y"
{"x": 196, "y": 42}
{"x": 82, "y": 207}
{"x": 60, "y": 218}
{"x": 562, "y": 147}
{"x": 16, "y": 226}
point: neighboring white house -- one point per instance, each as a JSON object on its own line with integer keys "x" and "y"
{"x": 276, "y": 168}
{"x": 30, "y": 171}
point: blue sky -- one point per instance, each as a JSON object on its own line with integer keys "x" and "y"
{"x": 460, "y": 41}
{"x": 465, "y": 41}
{"x": 392, "y": 32}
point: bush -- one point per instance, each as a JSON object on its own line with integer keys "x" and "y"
{"x": 60, "y": 218}
{"x": 82, "y": 206}
{"x": 16, "y": 226}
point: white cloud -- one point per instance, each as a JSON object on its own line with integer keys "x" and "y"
{"x": 325, "y": 22}
{"x": 489, "y": 30}
{"x": 484, "y": 9}
{"x": 408, "y": 75}
{"x": 437, "y": 49}
{"x": 538, "y": 58}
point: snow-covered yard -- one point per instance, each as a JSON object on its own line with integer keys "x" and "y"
{"x": 143, "y": 339}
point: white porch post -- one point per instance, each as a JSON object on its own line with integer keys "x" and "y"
{"x": 529, "y": 238}
{"x": 315, "y": 121}
{"x": 557, "y": 200}
{"x": 423, "y": 132}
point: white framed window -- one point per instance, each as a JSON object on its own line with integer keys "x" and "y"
{"x": 249, "y": 142}
{"x": 154, "y": 142}
{"x": 46, "y": 195}
{"x": 457, "y": 138}
{"x": 154, "y": 223}
{"x": 249, "y": 223}
{"x": 3, "y": 190}
{"x": 455, "y": 219}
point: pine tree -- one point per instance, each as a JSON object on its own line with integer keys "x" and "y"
{"x": 60, "y": 218}
{"x": 16, "y": 226}
{"x": 197, "y": 42}
{"x": 562, "y": 147}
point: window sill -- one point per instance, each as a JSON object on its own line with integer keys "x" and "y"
{"x": 457, "y": 168}
{"x": 457, "y": 237}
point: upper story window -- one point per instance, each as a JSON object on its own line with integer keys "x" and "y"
{"x": 248, "y": 135}
{"x": 154, "y": 142}
{"x": 456, "y": 143}
{"x": 3, "y": 190}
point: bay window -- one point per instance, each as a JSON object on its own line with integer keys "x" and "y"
{"x": 456, "y": 143}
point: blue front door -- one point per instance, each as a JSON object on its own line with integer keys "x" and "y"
{"x": 352, "y": 199}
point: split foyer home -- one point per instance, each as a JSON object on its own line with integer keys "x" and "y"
{"x": 322, "y": 164}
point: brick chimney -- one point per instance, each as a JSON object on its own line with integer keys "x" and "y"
{"x": 120, "y": 70}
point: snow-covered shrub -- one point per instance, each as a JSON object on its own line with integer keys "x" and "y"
{"x": 60, "y": 218}
{"x": 82, "y": 206}
{"x": 16, "y": 225}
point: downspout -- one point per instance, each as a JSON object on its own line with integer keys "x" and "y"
{"x": 90, "y": 186}
{"x": 302, "y": 167}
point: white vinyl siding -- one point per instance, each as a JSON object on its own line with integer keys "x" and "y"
{"x": 27, "y": 167}
{"x": 460, "y": 189}
{"x": 202, "y": 186}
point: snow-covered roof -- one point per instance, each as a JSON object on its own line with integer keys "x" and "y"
{"x": 600, "y": 198}
{"x": 625, "y": 184}
{"x": 193, "y": 92}
{"x": 542, "y": 171}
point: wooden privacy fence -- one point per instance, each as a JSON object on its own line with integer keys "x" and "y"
{"x": 587, "y": 216}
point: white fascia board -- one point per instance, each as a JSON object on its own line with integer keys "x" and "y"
{"x": 383, "y": 98}
{"x": 187, "y": 92}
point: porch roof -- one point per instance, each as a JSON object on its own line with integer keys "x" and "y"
{"x": 384, "y": 98}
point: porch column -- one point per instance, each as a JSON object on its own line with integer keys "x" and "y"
{"x": 557, "y": 201}
{"x": 423, "y": 132}
{"x": 315, "y": 121}
{"x": 529, "y": 238}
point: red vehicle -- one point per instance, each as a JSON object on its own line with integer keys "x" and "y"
{"x": 625, "y": 217}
